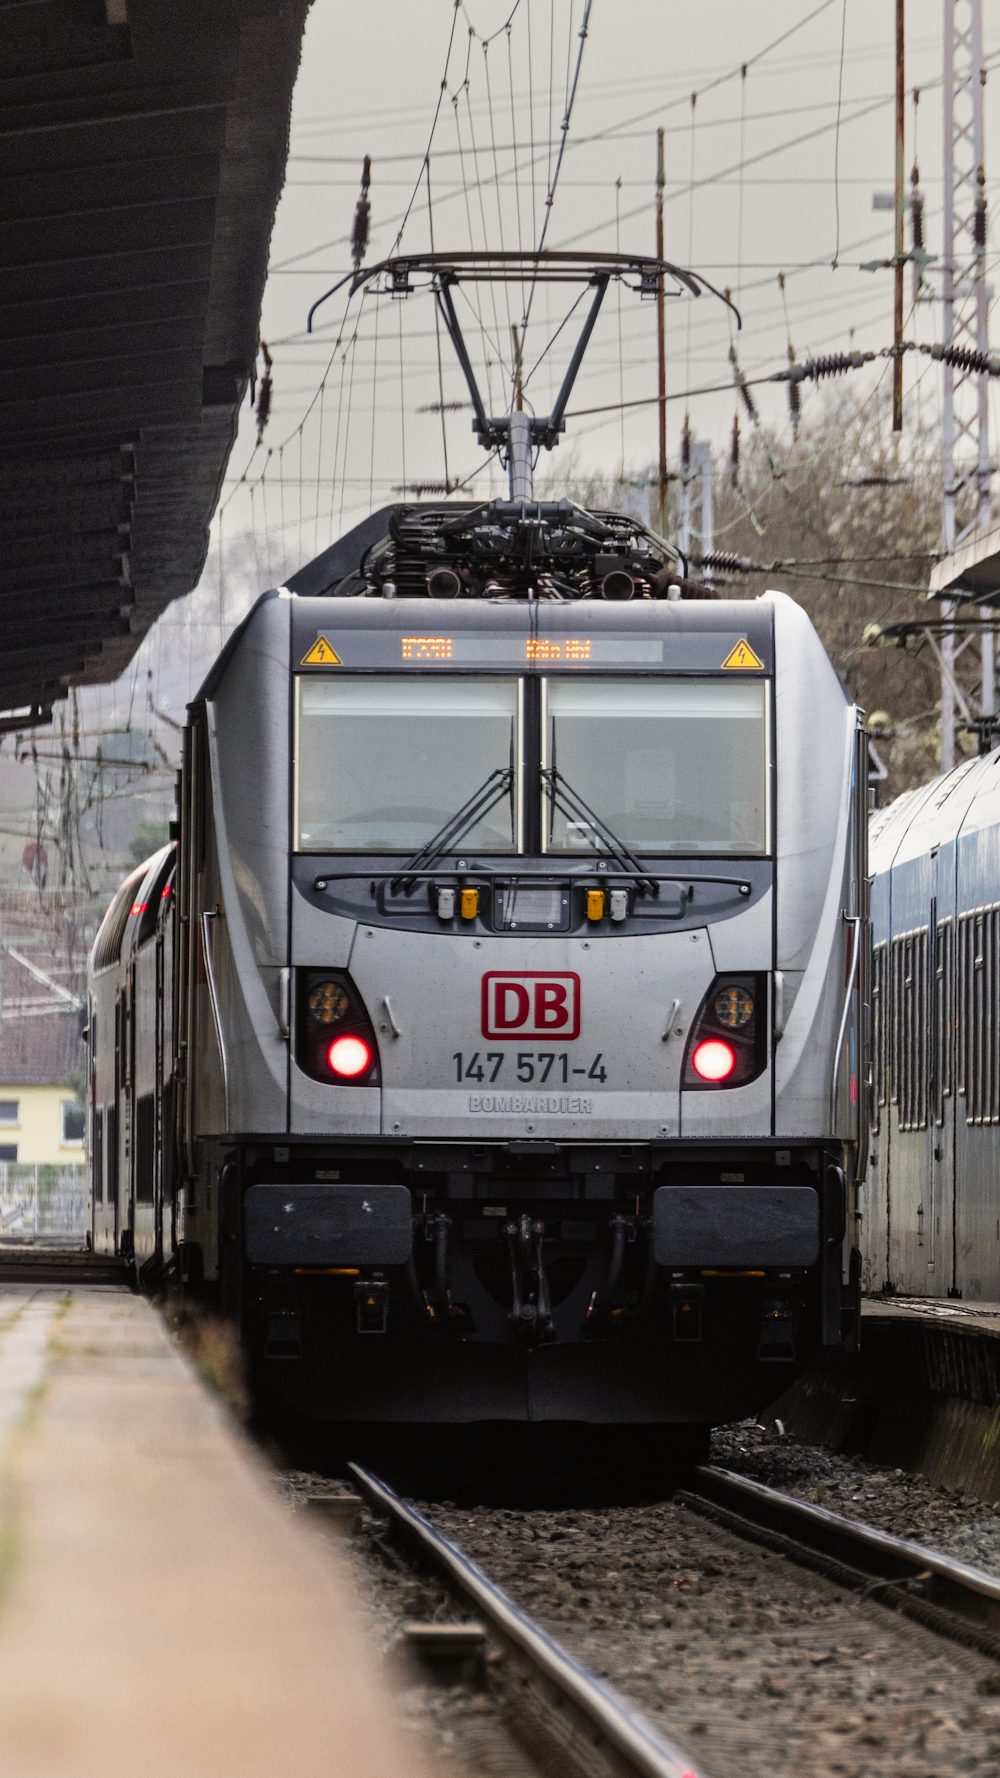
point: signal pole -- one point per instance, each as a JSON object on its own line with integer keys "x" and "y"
{"x": 965, "y": 429}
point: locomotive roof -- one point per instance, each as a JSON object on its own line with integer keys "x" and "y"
{"x": 366, "y": 634}
{"x": 494, "y": 552}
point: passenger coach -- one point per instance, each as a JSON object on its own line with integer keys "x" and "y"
{"x": 503, "y": 1032}
{"x": 930, "y": 1207}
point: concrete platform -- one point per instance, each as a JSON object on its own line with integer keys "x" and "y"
{"x": 922, "y": 1394}
{"x": 161, "y": 1609}
{"x": 974, "y": 1318}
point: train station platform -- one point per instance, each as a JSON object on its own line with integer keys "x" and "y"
{"x": 922, "y": 1393}
{"x": 161, "y": 1609}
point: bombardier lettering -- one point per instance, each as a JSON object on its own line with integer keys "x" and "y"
{"x": 569, "y": 1104}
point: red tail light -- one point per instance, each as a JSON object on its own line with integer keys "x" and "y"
{"x": 335, "y": 1040}
{"x": 713, "y": 1060}
{"x": 727, "y": 1045}
{"x": 349, "y": 1056}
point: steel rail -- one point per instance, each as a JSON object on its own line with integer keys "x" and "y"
{"x": 610, "y": 1725}
{"x": 955, "y": 1600}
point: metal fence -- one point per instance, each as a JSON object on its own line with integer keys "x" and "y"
{"x": 43, "y": 1206}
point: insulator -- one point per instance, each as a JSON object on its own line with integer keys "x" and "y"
{"x": 964, "y": 358}
{"x": 794, "y": 399}
{"x": 979, "y": 224}
{"x": 264, "y": 398}
{"x": 834, "y": 365}
{"x": 362, "y": 215}
{"x": 263, "y": 406}
{"x": 917, "y": 220}
{"x": 734, "y": 452}
{"x": 686, "y": 446}
{"x": 722, "y": 561}
{"x": 741, "y": 383}
{"x": 359, "y": 232}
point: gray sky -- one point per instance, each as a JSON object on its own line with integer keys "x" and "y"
{"x": 765, "y": 199}
{"x": 369, "y": 82}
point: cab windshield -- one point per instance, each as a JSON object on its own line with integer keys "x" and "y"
{"x": 671, "y": 766}
{"x": 389, "y": 764}
{"x": 385, "y": 763}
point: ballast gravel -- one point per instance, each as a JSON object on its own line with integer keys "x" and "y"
{"x": 757, "y": 1667}
{"x": 893, "y": 1500}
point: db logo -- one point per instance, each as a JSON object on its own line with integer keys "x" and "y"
{"x": 531, "y": 1005}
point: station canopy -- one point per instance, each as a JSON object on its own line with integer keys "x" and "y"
{"x": 142, "y": 152}
{"x": 972, "y": 571}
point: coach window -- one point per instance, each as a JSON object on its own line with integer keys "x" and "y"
{"x": 383, "y": 764}
{"x": 669, "y": 765}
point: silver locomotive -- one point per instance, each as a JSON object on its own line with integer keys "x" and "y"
{"x": 489, "y": 1038}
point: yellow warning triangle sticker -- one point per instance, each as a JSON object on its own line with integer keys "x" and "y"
{"x": 741, "y": 656}
{"x": 322, "y": 655}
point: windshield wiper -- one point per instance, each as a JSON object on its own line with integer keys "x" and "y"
{"x": 490, "y": 792}
{"x": 573, "y": 806}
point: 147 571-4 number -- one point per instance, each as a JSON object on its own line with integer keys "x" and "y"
{"x": 532, "y": 1065}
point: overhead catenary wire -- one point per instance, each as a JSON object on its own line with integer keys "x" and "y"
{"x": 361, "y": 351}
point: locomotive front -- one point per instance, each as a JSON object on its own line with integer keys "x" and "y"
{"x": 519, "y": 1017}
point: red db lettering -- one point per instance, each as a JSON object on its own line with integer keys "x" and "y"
{"x": 503, "y": 992}
{"x": 551, "y": 1013}
{"x": 534, "y": 1003}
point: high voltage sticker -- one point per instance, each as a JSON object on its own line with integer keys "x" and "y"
{"x": 322, "y": 655}
{"x": 740, "y": 656}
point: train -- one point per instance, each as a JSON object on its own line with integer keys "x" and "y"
{"x": 486, "y": 1040}
{"x": 929, "y": 1201}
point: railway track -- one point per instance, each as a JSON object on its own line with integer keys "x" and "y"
{"x": 727, "y": 1632}
{"x": 595, "y": 1730}
{"x": 948, "y": 1597}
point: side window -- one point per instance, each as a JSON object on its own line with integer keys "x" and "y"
{"x": 880, "y": 1032}
{"x": 145, "y": 1133}
{"x": 10, "y": 1111}
{"x": 944, "y": 1017}
{"x": 159, "y": 890}
{"x": 109, "y": 939}
{"x": 909, "y": 1053}
{"x": 97, "y": 1155}
{"x": 978, "y": 1039}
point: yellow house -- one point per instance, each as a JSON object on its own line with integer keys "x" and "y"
{"x": 41, "y": 1117}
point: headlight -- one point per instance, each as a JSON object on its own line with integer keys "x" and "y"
{"x": 328, "y": 1003}
{"x": 733, "y": 1007}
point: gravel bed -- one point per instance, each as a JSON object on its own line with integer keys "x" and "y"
{"x": 759, "y": 1668}
{"x": 893, "y": 1500}
{"x": 460, "y": 1724}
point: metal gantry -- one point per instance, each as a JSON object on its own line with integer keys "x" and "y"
{"x": 965, "y": 430}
